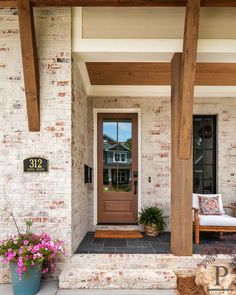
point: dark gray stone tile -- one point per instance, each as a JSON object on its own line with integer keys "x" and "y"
{"x": 115, "y": 243}
{"x": 89, "y": 236}
{"x": 159, "y": 249}
{"x": 82, "y": 251}
{"x": 91, "y": 246}
{"x": 99, "y": 241}
{"x": 131, "y": 244}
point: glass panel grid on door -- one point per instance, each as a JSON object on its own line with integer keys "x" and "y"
{"x": 117, "y": 155}
{"x": 204, "y": 154}
{"x": 117, "y": 168}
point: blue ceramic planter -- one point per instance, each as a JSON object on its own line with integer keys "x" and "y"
{"x": 30, "y": 281}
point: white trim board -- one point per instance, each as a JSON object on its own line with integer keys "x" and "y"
{"x": 149, "y": 57}
{"x": 158, "y": 91}
{"x": 80, "y": 44}
{"x": 96, "y": 111}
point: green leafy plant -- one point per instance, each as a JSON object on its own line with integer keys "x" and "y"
{"x": 152, "y": 215}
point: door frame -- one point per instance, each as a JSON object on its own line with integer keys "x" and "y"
{"x": 96, "y": 111}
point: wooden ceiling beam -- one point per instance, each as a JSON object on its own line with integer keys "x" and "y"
{"x": 30, "y": 63}
{"x": 8, "y": 4}
{"x": 189, "y": 63}
{"x": 117, "y": 3}
{"x": 157, "y": 73}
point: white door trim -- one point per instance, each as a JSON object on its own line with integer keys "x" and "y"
{"x": 96, "y": 111}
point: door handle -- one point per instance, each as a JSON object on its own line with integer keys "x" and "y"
{"x": 135, "y": 186}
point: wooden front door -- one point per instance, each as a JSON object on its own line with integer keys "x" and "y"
{"x": 117, "y": 168}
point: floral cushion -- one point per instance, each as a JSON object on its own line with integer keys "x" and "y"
{"x": 209, "y": 206}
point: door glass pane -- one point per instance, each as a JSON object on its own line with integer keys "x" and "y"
{"x": 197, "y": 125}
{"x": 198, "y": 157}
{"x": 208, "y": 159}
{"x": 109, "y": 167}
{"x": 204, "y": 154}
{"x": 124, "y": 179}
{"x": 208, "y": 172}
{"x": 197, "y": 142}
{"x": 208, "y": 186}
{"x": 124, "y": 131}
{"x": 208, "y": 143}
{"x": 198, "y": 171}
{"x": 197, "y": 185}
{"x": 109, "y": 131}
{"x": 124, "y": 154}
{"x": 117, "y": 155}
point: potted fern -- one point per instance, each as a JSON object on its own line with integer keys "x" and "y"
{"x": 152, "y": 219}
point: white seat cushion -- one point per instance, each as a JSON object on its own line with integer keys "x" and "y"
{"x": 217, "y": 220}
{"x": 196, "y": 201}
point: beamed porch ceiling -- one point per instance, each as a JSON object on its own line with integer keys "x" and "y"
{"x": 141, "y": 74}
{"x": 157, "y": 73}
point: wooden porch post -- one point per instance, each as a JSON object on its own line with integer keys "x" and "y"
{"x": 181, "y": 172}
{"x": 183, "y": 72}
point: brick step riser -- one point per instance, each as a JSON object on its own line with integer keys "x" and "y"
{"x": 140, "y": 261}
{"x": 73, "y": 278}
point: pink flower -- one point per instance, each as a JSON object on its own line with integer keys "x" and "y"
{"x": 24, "y": 268}
{"x": 45, "y": 270}
{"x": 26, "y": 242}
{"x": 10, "y": 256}
{"x": 29, "y": 248}
{"x": 36, "y": 248}
{"x": 20, "y": 264}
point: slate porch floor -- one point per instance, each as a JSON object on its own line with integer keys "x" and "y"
{"x": 210, "y": 244}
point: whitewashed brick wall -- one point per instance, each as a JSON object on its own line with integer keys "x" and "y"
{"x": 80, "y": 156}
{"x": 225, "y": 109}
{"x": 156, "y": 145}
{"x": 43, "y": 197}
{"x": 58, "y": 201}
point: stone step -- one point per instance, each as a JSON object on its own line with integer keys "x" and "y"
{"x": 135, "y": 261}
{"x": 142, "y": 261}
{"x": 75, "y": 278}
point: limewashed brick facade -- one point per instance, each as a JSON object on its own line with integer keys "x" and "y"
{"x": 156, "y": 144}
{"x": 80, "y": 157}
{"x": 45, "y": 197}
{"x": 58, "y": 201}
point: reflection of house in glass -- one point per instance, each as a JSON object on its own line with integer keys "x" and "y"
{"x": 117, "y": 165}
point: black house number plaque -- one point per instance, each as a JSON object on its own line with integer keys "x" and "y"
{"x": 35, "y": 164}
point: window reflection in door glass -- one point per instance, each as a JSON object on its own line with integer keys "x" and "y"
{"x": 117, "y": 167}
{"x": 109, "y": 131}
{"x": 109, "y": 166}
{"x": 124, "y": 131}
{"x": 124, "y": 179}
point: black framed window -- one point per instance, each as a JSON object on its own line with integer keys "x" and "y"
{"x": 204, "y": 154}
